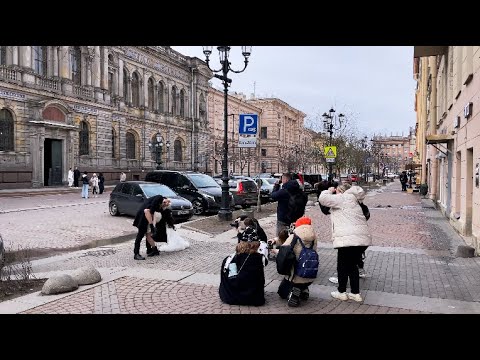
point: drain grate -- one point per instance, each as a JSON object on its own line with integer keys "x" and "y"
{"x": 99, "y": 253}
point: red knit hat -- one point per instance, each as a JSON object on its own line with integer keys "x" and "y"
{"x": 303, "y": 221}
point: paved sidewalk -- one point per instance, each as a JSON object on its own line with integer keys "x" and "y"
{"x": 411, "y": 267}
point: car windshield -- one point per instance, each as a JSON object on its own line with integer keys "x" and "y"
{"x": 157, "y": 189}
{"x": 203, "y": 181}
{"x": 272, "y": 181}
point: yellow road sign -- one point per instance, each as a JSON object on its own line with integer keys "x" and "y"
{"x": 330, "y": 151}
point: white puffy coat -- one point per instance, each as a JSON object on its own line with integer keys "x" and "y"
{"x": 349, "y": 226}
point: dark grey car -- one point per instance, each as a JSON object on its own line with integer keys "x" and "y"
{"x": 128, "y": 197}
{"x": 2, "y": 252}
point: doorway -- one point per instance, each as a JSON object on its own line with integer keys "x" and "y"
{"x": 52, "y": 163}
{"x": 469, "y": 193}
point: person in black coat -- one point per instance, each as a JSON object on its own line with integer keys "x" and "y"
{"x": 101, "y": 183}
{"x": 76, "y": 176}
{"x": 144, "y": 220}
{"x": 245, "y": 286}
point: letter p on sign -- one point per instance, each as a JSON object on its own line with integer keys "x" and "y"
{"x": 248, "y": 124}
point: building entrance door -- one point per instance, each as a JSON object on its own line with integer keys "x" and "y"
{"x": 52, "y": 163}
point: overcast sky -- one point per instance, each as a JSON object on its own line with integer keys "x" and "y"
{"x": 373, "y": 85}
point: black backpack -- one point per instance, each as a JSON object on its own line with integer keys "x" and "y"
{"x": 286, "y": 258}
{"x": 296, "y": 205}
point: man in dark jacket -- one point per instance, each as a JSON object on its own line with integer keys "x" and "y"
{"x": 291, "y": 202}
{"x": 76, "y": 176}
{"x": 403, "y": 180}
{"x": 144, "y": 219}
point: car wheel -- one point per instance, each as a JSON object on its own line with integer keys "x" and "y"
{"x": 113, "y": 208}
{"x": 197, "y": 207}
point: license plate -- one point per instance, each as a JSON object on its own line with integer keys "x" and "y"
{"x": 183, "y": 212}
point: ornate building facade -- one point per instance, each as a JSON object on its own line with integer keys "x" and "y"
{"x": 98, "y": 108}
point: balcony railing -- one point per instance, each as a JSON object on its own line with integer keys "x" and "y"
{"x": 47, "y": 83}
{"x": 8, "y": 74}
{"x": 82, "y": 91}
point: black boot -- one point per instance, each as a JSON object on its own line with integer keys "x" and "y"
{"x": 294, "y": 297}
{"x": 138, "y": 257}
{"x": 154, "y": 252}
{"x": 304, "y": 295}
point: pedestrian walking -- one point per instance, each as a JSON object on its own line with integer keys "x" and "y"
{"x": 101, "y": 182}
{"x": 94, "y": 183}
{"x": 76, "y": 177}
{"x": 70, "y": 177}
{"x": 85, "y": 182}
{"x": 404, "y": 180}
{"x": 350, "y": 235}
{"x": 123, "y": 177}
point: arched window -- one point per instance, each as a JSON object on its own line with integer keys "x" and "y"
{"x": 40, "y": 60}
{"x": 202, "y": 107}
{"x": 177, "y": 150}
{"x": 6, "y": 130}
{"x": 113, "y": 144}
{"x": 182, "y": 103}
{"x": 161, "y": 103}
{"x": 174, "y": 100}
{"x": 76, "y": 65}
{"x": 3, "y": 55}
{"x": 125, "y": 85}
{"x": 135, "y": 90}
{"x": 150, "y": 94}
{"x": 84, "y": 139}
{"x": 131, "y": 153}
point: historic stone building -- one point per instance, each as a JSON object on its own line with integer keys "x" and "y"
{"x": 98, "y": 108}
{"x": 394, "y": 153}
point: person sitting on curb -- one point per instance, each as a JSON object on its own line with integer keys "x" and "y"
{"x": 350, "y": 235}
{"x": 293, "y": 287}
{"x": 242, "y": 276}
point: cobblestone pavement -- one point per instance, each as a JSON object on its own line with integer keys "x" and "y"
{"x": 411, "y": 268}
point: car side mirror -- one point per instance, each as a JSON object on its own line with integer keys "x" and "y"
{"x": 140, "y": 196}
{"x": 186, "y": 187}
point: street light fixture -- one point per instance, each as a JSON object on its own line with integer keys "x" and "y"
{"x": 331, "y": 122}
{"x": 223, "y": 52}
{"x": 156, "y": 146}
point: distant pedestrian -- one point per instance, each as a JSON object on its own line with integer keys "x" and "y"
{"x": 70, "y": 177}
{"x": 404, "y": 180}
{"x": 85, "y": 182}
{"x": 76, "y": 177}
{"x": 101, "y": 182}
{"x": 123, "y": 177}
{"x": 94, "y": 183}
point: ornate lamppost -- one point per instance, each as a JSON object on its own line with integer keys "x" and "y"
{"x": 225, "y": 213}
{"x": 156, "y": 146}
{"x": 332, "y": 122}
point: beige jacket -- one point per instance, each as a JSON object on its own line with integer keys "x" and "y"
{"x": 306, "y": 233}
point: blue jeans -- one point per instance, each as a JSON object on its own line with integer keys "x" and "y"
{"x": 85, "y": 191}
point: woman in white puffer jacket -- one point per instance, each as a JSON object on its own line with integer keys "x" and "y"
{"x": 350, "y": 235}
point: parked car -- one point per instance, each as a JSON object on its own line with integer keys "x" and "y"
{"x": 266, "y": 187}
{"x": 2, "y": 252}
{"x": 353, "y": 177}
{"x": 243, "y": 188}
{"x": 307, "y": 187}
{"x": 201, "y": 190}
{"x": 127, "y": 197}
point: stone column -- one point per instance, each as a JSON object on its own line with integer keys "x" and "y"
{"x": 129, "y": 91}
{"x": 145, "y": 91}
{"x": 26, "y": 56}
{"x": 155, "y": 97}
{"x": 37, "y": 138}
{"x": 96, "y": 68}
{"x": 120, "y": 79}
{"x": 64, "y": 62}
{"x": 15, "y": 55}
{"x": 55, "y": 60}
{"x": 88, "y": 62}
{"x": 104, "y": 82}
{"x": 433, "y": 128}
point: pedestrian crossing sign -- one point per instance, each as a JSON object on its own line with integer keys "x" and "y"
{"x": 330, "y": 151}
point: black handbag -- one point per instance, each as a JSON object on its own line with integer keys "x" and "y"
{"x": 365, "y": 210}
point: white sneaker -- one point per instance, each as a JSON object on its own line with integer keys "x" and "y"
{"x": 333, "y": 279}
{"x": 355, "y": 297}
{"x": 338, "y": 295}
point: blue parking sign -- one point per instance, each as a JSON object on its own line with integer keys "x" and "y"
{"x": 248, "y": 124}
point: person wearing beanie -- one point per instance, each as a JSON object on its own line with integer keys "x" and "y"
{"x": 293, "y": 287}
{"x": 350, "y": 235}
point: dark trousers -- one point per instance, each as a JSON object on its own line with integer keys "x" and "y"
{"x": 101, "y": 187}
{"x": 138, "y": 241}
{"x": 404, "y": 186}
{"x": 75, "y": 182}
{"x": 347, "y": 261}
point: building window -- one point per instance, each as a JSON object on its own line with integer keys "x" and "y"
{"x": 264, "y": 152}
{"x": 76, "y": 65}
{"x": 150, "y": 94}
{"x": 135, "y": 90}
{"x": 174, "y": 101}
{"x": 84, "y": 139}
{"x": 3, "y": 55}
{"x": 125, "y": 86}
{"x": 113, "y": 144}
{"x": 40, "y": 60}
{"x": 110, "y": 83}
{"x": 161, "y": 103}
{"x": 131, "y": 153}
{"x": 263, "y": 132}
{"x": 6, "y": 130}
{"x": 182, "y": 103}
{"x": 177, "y": 151}
{"x": 202, "y": 108}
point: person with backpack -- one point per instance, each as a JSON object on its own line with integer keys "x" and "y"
{"x": 303, "y": 242}
{"x": 350, "y": 235}
{"x": 291, "y": 202}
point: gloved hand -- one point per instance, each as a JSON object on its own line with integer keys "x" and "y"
{"x": 153, "y": 229}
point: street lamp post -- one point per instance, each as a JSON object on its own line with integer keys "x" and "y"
{"x": 332, "y": 122}
{"x": 364, "y": 142}
{"x": 155, "y": 147}
{"x": 225, "y": 213}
